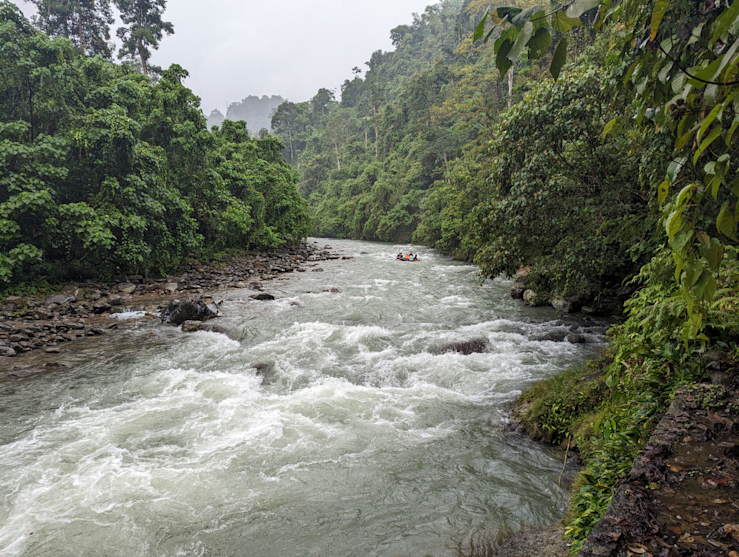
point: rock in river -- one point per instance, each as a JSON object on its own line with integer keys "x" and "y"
{"x": 466, "y": 347}
{"x": 192, "y": 309}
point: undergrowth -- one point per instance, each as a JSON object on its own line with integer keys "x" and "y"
{"x": 608, "y": 410}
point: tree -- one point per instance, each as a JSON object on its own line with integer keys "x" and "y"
{"x": 84, "y": 22}
{"x": 144, "y": 30}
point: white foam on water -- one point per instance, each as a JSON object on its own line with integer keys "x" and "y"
{"x": 353, "y": 437}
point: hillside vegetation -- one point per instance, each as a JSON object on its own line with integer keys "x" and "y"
{"x": 104, "y": 172}
{"x": 589, "y": 145}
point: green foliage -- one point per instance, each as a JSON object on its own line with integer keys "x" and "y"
{"x": 86, "y": 23}
{"x": 143, "y": 30}
{"x": 102, "y": 172}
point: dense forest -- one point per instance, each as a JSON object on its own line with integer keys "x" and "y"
{"x": 588, "y": 148}
{"x": 105, "y": 170}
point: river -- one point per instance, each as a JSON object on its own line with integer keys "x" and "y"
{"x": 354, "y": 436}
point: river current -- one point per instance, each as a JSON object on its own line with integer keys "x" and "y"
{"x": 353, "y": 437}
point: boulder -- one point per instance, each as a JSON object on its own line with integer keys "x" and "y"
{"x": 115, "y": 300}
{"x": 101, "y": 307}
{"x": 531, "y": 298}
{"x": 561, "y": 305}
{"x": 587, "y": 310}
{"x": 60, "y": 299}
{"x": 517, "y": 290}
{"x": 466, "y": 347}
{"x": 7, "y": 351}
{"x": 262, "y": 297}
{"x": 319, "y": 270}
{"x": 255, "y": 286}
{"x": 192, "y": 309}
{"x": 170, "y": 287}
{"x": 17, "y": 301}
{"x": 126, "y": 287}
{"x": 575, "y": 339}
{"x": 79, "y": 294}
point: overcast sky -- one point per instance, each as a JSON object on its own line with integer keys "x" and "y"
{"x": 235, "y": 48}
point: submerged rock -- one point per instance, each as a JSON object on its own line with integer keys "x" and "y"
{"x": 195, "y": 326}
{"x": 192, "y": 309}
{"x": 466, "y": 347}
{"x": 263, "y": 297}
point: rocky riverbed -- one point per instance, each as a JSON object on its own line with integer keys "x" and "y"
{"x": 83, "y": 310}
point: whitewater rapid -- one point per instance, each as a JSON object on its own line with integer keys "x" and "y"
{"x": 351, "y": 436}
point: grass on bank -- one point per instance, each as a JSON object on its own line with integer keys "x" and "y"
{"x": 608, "y": 410}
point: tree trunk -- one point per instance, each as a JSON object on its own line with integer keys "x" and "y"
{"x": 141, "y": 48}
{"x": 79, "y": 23}
{"x": 377, "y": 139}
{"x": 338, "y": 160}
{"x": 446, "y": 165}
{"x": 510, "y": 86}
{"x": 365, "y": 139}
{"x": 290, "y": 134}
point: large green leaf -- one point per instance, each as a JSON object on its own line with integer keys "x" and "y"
{"x": 539, "y": 43}
{"x": 559, "y": 58}
{"x": 724, "y": 22}
{"x": 501, "y": 58}
{"x": 715, "y": 132}
{"x": 480, "y": 29}
{"x": 521, "y": 19}
{"x": 659, "y": 11}
{"x": 579, "y": 7}
{"x": 725, "y": 222}
{"x": 561, "y": 23}
{"x": 523, "y": 37}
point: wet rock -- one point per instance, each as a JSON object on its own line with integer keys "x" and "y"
{"x": 553, "y": 336}
{"x": 517, "y": 290}
{"x": 255, "y": 286}
{"x": 561, "y": 305}
{"x": 101, "y": 307}
{"x": 126, "y": 287}
{"x": 587, "y": 310}
{"x": 531, "y": 298}
{"x": 466, "y": 347}
{"x": 53, "y": 350}
{"x": 115, "y": 300}
{"x": 318, "y": 270}
{"x": 17, "y": 301}
{"x": 60, "y": 299}
{"x": 263, "y": 297}
{"x": 192, "y": 309}
{"x": 194, "y": 326}
{"x": 7, "y": 351}
{"x": 575, "y": 339}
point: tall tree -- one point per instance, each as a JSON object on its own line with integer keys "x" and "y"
{"x": 143, "y": 30}
{"x": 84, "y": 22}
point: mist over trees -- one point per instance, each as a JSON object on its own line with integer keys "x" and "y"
{"x": 255, "y": 111}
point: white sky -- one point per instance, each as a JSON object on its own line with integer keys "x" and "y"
{"x": 291, "y": 48}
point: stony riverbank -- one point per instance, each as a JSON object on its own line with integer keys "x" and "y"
{"x": 83, "y": 309}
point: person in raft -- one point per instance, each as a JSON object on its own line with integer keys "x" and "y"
{"x": 409, "y": 257}
{"x": 399, "y": 256}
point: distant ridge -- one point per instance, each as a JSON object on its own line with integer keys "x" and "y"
{"x": 256, "y": 111}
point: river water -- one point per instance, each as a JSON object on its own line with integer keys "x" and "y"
{"x": 355, "y": 437}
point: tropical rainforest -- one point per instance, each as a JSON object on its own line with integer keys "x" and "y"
{"x": 109, "y": 168}
{"x": 583, "y": 146}
{"x": 586, "y": 147}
